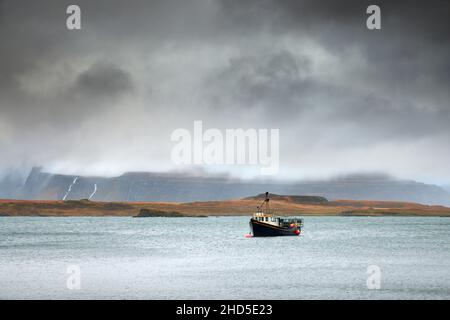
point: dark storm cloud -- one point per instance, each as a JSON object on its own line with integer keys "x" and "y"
{"x": 404, "y": 61}
{"x": 263, "y": 80}
{"x": 309, "y": 67}
{"x": 280, "y": 84}
{"x": 414, "y": 36}
{"x": 104, "y": 80}
{"x": 37, "y": 48}
{"x": 50, "y": 76}
{"x": 429, "y": 19}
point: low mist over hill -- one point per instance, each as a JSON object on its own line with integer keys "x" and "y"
{"x": 146, "y": 186}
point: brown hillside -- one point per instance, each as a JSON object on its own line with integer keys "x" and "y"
{"x": 282, "y": 205}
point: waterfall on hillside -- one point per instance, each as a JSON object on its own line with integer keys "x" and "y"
{"x": 93, "y": 193}
{"x": 70, "y": 188}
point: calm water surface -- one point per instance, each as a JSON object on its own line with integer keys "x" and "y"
{"x": 209, "y": 258}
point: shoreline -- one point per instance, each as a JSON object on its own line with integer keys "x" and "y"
{"x": 283, "y": 206}
{"x": 225, "y": 216}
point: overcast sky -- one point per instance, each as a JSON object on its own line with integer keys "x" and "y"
{"x": 105, "y": 99}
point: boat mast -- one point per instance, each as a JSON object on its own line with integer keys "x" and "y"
{"x": 265, "y": 203}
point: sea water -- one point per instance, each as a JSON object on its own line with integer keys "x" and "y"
{"x": 209, "y": 258}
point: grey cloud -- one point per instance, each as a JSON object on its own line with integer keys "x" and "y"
{"x": 103, "y": 80}
{"x": 281, "y": 84}
{"x": 268, "y": 79}
{"x": 311, "y": 68}
{"x": 413, "y": 42}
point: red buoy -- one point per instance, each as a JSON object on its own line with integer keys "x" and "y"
{"x": 297, "y": 232}
{"x": 248, "y": 236}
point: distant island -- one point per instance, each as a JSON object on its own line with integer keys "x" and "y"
{"x": 282, "y": 205}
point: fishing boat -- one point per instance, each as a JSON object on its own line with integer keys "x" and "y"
{"x": 265, "y": 224}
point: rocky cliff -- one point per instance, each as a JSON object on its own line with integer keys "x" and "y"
{"x": 145, "y": 186}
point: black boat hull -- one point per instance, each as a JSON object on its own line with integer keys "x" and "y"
{"x": 261, "y": 229}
